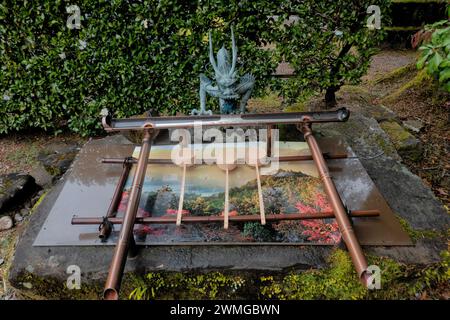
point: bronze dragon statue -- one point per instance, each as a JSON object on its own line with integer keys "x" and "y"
{"x": 233, "y": 91}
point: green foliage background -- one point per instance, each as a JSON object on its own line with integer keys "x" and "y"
{"x": 132, "y": 56}
{"x": 435, "y": 54}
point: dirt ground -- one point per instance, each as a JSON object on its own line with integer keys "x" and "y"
{"x": 394, "y": 82}
{"x": 19, "y": 153}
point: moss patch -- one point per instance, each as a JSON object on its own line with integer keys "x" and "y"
{"x": 421, "y": 81}
{"x": 296, "y": 107}
{"x": 396, "y": 132}
{"x": 270, "y": 103}
{"x": 34, "y": 287}
{"x": 175, "y": 285}
{"x": 338, "y": 281}
{"x": 38, "y": 202}
{"x": 419, "y": 234}
{"x": 406, "y": 144}
{"x": 395, "y": 74}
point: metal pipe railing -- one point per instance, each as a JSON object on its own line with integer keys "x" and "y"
{"x": 175, "y": 122}
{"x": 274, "y": 159}
{"x": 342, "y": 219}
{"x": 115, "y": 274}
{"x": 105, "y": 226}
{"x": 242, "y": 218}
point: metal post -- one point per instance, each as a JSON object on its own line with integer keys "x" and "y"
{"x": 347, "y": 232}
{"x": 115, "y": 274}
{"x": 105, "y": 227}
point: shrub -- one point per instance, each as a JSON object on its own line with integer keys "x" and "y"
{"x": 128, "y": 56}
{"x": 132, "y": 56}
{"x": 435, "y": 56}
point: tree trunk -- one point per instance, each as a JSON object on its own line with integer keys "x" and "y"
{"x": 330, "y": 97}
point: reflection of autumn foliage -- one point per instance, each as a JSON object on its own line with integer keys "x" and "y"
{"x": 146, "y": 229}
{"x": 124, "y": 203}
{"x": 286, "y": 192}
{"x": 172, "y": 212}
{"x": 322, "y": 202}
{"x": 230, "y": 213}
{"x": 304, "y": 208}
{"x": 290, "y": 230}
{"x": 318, "y": 230}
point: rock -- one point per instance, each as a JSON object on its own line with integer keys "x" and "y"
{"x": 56, "y": 159}
{"x": 18, "y": 217}
{"x": 2, "y": 261}
{"x": 27, "y": 285}
{"x": 56, "y": 164}
{"x": 15, "y": 188}
{"x": 62, "y": 147}
{"x": 406, "y": 144}
{"x": 407, "y": 195}
{"x": 363, "y": 134}
{"x": 41, "y": 176}
{"x": 379, "y": 113}
{"x": 6, "y": 223}
{"x": 24, "y": 212}
{"x": 413, "y": 125}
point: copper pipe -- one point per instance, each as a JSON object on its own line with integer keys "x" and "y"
{"x": 347, "y": 232}
{"x": 242, "y": 218}
{"x": 281, "y": 159}
{"x": 115, "y": 274}
{"x": 220, "y": 120}
{"x": 105, "y": 227}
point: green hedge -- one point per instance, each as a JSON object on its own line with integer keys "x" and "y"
{"x": 132, "y": 56}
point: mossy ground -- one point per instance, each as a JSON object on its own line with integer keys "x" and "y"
{"x": 338, "y": 281}
{"x": 422, "y": 234}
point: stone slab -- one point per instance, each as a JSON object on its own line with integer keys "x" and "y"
{"x": 89, "y": 187}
